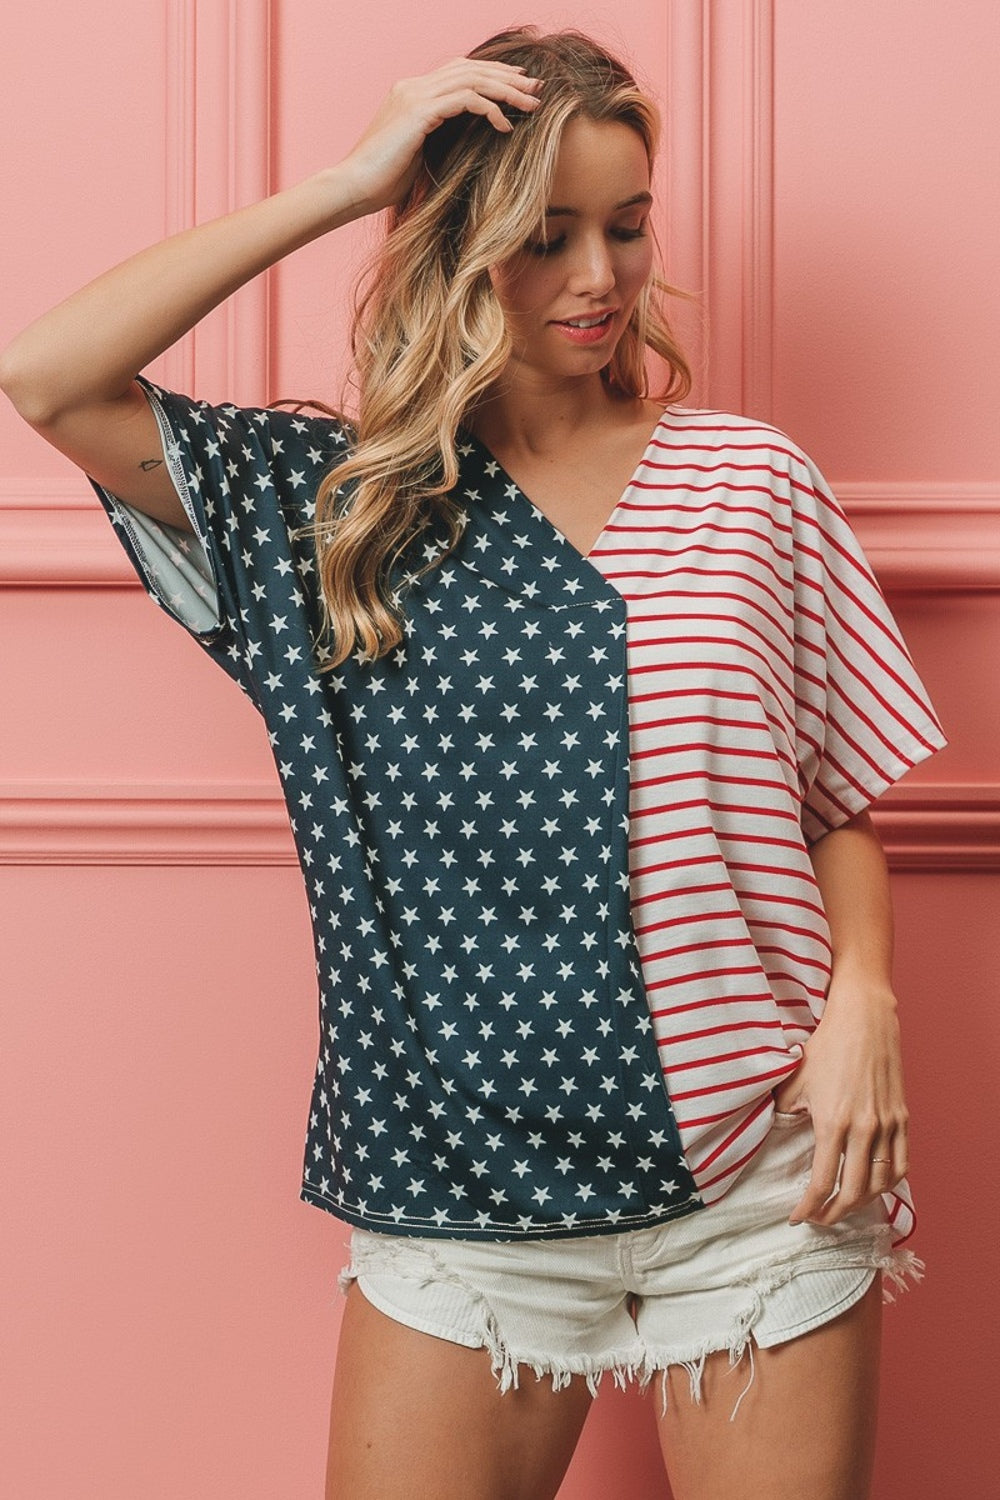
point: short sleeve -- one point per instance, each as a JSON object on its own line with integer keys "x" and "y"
{"x": 863, "y": 716}
{"x": 247, "y": 477}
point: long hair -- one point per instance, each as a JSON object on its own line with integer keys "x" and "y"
{"x": 429, "y": 336}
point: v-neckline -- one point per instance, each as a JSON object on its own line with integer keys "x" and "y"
{"x": 547, "y": 520}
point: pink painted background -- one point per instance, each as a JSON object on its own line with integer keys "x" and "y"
{"x": 830, "y": 186}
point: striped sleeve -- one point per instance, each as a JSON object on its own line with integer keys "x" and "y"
{"x": 863, "y": 716}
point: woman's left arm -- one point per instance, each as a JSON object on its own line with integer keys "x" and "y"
{"x": 851, "y": 1075}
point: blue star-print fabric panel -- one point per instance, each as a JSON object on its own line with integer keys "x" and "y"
{"x": 487, "y": 1067}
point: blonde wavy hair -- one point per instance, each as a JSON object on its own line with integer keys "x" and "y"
{"x": 429, "y": 337}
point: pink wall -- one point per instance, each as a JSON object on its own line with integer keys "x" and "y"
{"x": 831, "y": 182}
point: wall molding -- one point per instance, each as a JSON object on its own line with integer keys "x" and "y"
{"x": 941, "y": 826}
{"x": 927, "y": 536}
{"x": 29, "y": 492}
{"x": 90, "y": 823}
{"x": 51, "y": 548}
{"x": 719, "y": 238}
{"x": 918, "y": 537}
{"x": 756, "y": 310}
{"x": 924, "y": 826}
{"x": 218, "y": 158}
{"x": 684, "y": 225}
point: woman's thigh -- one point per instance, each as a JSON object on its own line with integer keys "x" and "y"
{"x": 805, "y": 1427}
{"x": 414, "y": 1417}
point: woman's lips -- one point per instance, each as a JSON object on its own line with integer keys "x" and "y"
{"x": 586, "y": 335}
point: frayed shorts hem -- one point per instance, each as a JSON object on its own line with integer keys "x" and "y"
{"x": 639, "y": 1362}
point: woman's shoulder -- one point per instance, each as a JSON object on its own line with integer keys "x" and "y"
{"x": 314, "y": 419}
{"x": 706, "y": 426}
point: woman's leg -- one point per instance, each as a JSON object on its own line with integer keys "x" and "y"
{"x": 418, "y": 1418}
{"x": 805, "y": 1427}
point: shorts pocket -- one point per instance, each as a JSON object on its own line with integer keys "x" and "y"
{"x": 783, "y": 1121}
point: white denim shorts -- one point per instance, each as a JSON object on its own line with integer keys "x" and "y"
{"x": 635, "y": 1303}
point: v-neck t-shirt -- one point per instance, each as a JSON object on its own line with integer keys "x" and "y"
{"x": 568, "y": 936}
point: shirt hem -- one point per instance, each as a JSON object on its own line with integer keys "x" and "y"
{"x": 537, "y": 1229}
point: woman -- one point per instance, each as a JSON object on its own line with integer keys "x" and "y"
{"x": 609, "y": 1076}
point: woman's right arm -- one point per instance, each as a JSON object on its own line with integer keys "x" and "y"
{"x": 71, "y": 374}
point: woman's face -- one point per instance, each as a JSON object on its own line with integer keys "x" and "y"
{"x": 597, "y": 261}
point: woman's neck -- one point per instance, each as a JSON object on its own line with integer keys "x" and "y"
{"x": 543, "y": 419}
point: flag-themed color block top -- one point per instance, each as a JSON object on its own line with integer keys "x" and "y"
{"x": 568, "y": 937}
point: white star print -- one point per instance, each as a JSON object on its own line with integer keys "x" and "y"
{"x": 471, "y": 854}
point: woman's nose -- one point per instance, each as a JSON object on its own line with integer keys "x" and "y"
{"x": 593, "y": 269}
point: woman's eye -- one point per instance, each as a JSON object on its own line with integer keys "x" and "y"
{"x": 547, "y": 249}
{"x": 541, "y": 248}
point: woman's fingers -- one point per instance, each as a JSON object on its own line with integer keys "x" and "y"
{"x": 479, "y": 103}
{"x": 384, "y": 162}
{"x": 860, "y": 1166}
{"x": 478, "y": 94}
{"x": 826, "y": 1163}
{"x": 866, "y": 1171}
{"x": 474, "y": 72}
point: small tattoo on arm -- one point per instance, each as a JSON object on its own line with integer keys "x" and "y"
{"x": 150, "y": 463}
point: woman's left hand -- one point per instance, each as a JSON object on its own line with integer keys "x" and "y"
{"x": 850, "y": 1082}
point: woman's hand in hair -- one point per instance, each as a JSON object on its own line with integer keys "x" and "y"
{"x": 384, "y": 163}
